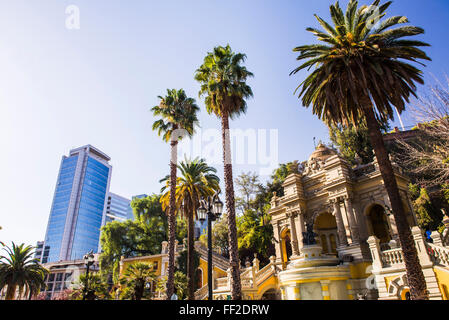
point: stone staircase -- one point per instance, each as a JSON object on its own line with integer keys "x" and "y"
{"x": 388, "y": 264}
{"x": 251, "y": 278}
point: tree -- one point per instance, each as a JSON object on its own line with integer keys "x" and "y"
{"x": 129, "y": 239}
{"x": 255, "y": 237}
{"x": 427, "y": 155}
{"x": 353, "y": 141}
{"x": 135, "y": 278}
{"x": 361, "y": 72}
{"x": 220, "y": 236}
{"x": 178, "y": 118}
{"x": 428, "y": 215}
{"x": 197, "y": 180}
{"x": 144, "y": 209}
{"x": 223, "y": 83}
{"x": 247, "y": 184}
{"x": 161, "y": 285}
{"x": 180, "y": 283}
{"x": 19, "y": 271}
{"x": 98, "y": 288}
{"x": 143, "y": 236}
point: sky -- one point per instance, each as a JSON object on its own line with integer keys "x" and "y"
{"x": 64, "y": 85}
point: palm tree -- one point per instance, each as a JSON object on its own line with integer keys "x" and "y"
{"x": 223, "y": 83}
{"x": 197, "y": 180}
{"x": 361, "y": 73}
{"x": 18, "y": 270}
{"x": 178, "y": 118}
{"x": 135, "y": 278}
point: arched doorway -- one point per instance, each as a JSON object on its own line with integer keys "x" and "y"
{"x": 270, "y": 294}
{"x": 326, "y": 228}
{"x": 379, "y": 223}
{"x": 286, "y": 246}
{"x": 199, "y": 279}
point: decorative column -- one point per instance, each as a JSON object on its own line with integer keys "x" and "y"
{"x": 293, "y": 234}
{"x": 277, "y": 241}
{"x": 426, "y": 263}
{"x": 352, "y": 221}
{"x": 342, "y": 241}
{"x": 325, "y": 289}
{"x": 361, "y": 220}
{"x": 374, "y": 247}
{"x": 300, "y": 228}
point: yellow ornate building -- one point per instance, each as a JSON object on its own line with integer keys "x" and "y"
{"x": 354, "y": 251}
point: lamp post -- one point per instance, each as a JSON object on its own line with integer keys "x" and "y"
{"x": 88, "y": 261}
{"x": 212, "y": 207}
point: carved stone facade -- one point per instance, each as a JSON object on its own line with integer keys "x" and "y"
{"x": 345, "y": 205}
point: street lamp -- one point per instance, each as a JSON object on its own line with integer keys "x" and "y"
{"x": 88, "y": 261}
{"x": 210, "y": 208}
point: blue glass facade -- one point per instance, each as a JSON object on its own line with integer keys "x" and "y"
{"x": 60, "y": 206}
{"x": 90, "y": 213}
{"x": 78, "y": 207}
{"x": 118, "y": 206}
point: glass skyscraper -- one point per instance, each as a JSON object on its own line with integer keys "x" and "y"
{"x": 117, "y": 208}
{"x": 79, "y": 205}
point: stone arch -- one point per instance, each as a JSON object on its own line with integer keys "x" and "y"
{"x": 286, "y": 245}
{"x": 378, "y": 222}
{"x": 271, "y": 292}
{"x": 325, "y": 226}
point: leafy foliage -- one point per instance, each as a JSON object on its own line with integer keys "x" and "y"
{"x": 196, "y": 180}
{"x": 353, "y": 141}
{"x": 134, "y": 280}
{"x": 177, "y": 111}
{"x": 428, "y": 215}
{"x": 220, "y": 236}
{"x": 19, "y": 270}
{"x": 223, "y": 82}
{"x": 143, "y": 236}
{"x": 254, "y": 237}
{"x": 360, "y": 56}
{"x": 181, "y": 283}
{"x": 97, "y": 288}
{"x": 247, "y": 184}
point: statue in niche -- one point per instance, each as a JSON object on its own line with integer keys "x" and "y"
{"x": 309, "y": 236}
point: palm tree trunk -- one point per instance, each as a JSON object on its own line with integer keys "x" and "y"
{"x": 414, "y": 272}
{"x": 10, "y": 292}
{"x": 236, "y": 289}
{"x": 171, "y": 220}
{"x": 190, "y": 257}
{"x": 140, "y": 287}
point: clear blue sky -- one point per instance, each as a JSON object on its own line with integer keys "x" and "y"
{"x": 63, "y": 88}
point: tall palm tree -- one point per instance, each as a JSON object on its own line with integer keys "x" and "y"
{"x": 136, "y": 276}
{"x": 178, "y": 118}
{"x": 361, "y": 71}
{"x": 197, "y": 180}
{"x": 19, "y": 270}
{"x": 223, "y": 83}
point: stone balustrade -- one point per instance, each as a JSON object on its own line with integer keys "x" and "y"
{"x": 392, "y": 257}
{"x": 221, "y": 283}
{"x": 201, "y": 293}
{"x": 440, "y": 254}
